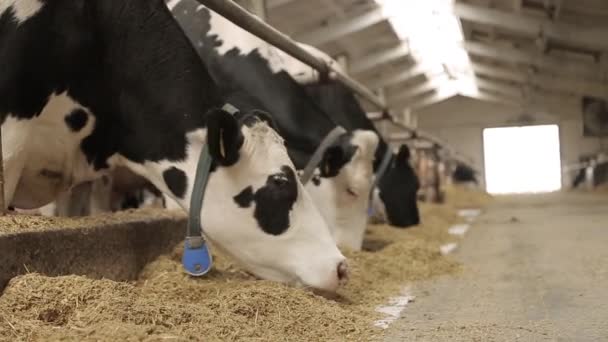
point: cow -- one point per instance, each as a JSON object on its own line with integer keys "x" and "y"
{"x": 395, "y": 192}
{"x": 87, "y": 86}
{"x": 464, "y": 174}
{"x": 240, "y": 62}
{"x": 121, "y": 189}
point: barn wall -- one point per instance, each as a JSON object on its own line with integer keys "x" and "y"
{"x": 460, "y": 122}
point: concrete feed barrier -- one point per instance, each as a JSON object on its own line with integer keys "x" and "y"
{"x": 115, "y": 247}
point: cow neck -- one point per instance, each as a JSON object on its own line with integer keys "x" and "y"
{"x": 132, "y": 85}
{"x": 379, "y": 156}
{"x": 299, "y": 120}
{"x": 381, "y": 170}
{"x": 382, "y": 162}
{"x": 340, "y": 104}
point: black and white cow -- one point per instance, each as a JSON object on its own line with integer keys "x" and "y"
{"x": 87, "y": 85}
{"x": 121, "y": 189}
{"x": 464, "y": 174}
{"x": 395, "y": 193}
{"x": 240, "y": 62}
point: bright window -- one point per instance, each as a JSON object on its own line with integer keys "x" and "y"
{"x": 522, "y": 159}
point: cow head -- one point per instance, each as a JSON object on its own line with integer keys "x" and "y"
{"x": 342, "y": 183}
{"x": 257, "y": 210}
{"x": 464, "y": 174}
{"x": 395, "y": 195}
{"x": 396, "y": 191}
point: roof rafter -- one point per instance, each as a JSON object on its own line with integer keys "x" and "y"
{"x": 342, "y": 28}
{"x": 577, "y": 35}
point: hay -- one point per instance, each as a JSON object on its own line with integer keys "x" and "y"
{"x": 19, "y": 223}
{"x": 228, "y": 304}
{"x": 462, "y": 197}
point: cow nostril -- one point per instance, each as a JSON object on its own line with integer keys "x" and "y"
{"x": 342, "y": 271}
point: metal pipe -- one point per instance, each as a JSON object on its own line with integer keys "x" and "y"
{"x": 359, "y": 89}
{"x": 240, "y": 17}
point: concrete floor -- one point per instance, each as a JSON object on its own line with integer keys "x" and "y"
{"x": 535, "y": 269}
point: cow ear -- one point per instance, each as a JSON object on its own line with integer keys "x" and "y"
{"x": 224, "y": 137}
{"x": 403, "y": 156}
{"x": 267, "y": 118}
{"x": 256, "y": 116}
{"x": 334, "y": 158}
{"x": 331, "y": 162}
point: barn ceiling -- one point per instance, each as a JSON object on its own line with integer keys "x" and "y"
{"x": 417, "y": 53}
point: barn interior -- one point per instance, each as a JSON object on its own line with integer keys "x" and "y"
{"x": 512, "y": 93}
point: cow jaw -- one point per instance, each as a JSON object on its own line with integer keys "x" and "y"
{"x": 346, "y": 217}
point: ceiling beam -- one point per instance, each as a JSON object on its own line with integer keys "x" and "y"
{"x": 502, "y": 88}
{"x": 490, "y": 97}
{"x": 535, "y": 102}
{"x": 576, "y": 35}
{"x": 379, "y": 58}
{"x": 342, "y": 28}
{"x": 419, "y": 89}
{"x": 334, "y": 8}
{"x": 548, "y": 82}
{"x": 498, "y": 72}
{"x": 272, "y": 4}
{"x": 431, "y": 99}
{"x": 499, "y": 87}
{"x": 517, "y": 5}
{"x": 403, "y": 76}
{"x": 591, "y": 71}
{"x": 558, "y": 9}
{"x": 525, "y": 96}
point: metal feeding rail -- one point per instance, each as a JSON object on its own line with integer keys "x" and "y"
{"x": 251, "y": 23}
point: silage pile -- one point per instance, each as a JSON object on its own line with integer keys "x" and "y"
{"x": 228, "y": 304}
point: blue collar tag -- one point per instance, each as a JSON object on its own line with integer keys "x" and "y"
{"x": 370, "y": 210}
{"x": 197, "y": 259}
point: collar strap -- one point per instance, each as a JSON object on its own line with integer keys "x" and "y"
{"x": 386, "y": 161}
{"x": 314, "y": 161}
{"x": 197, "y": 259}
